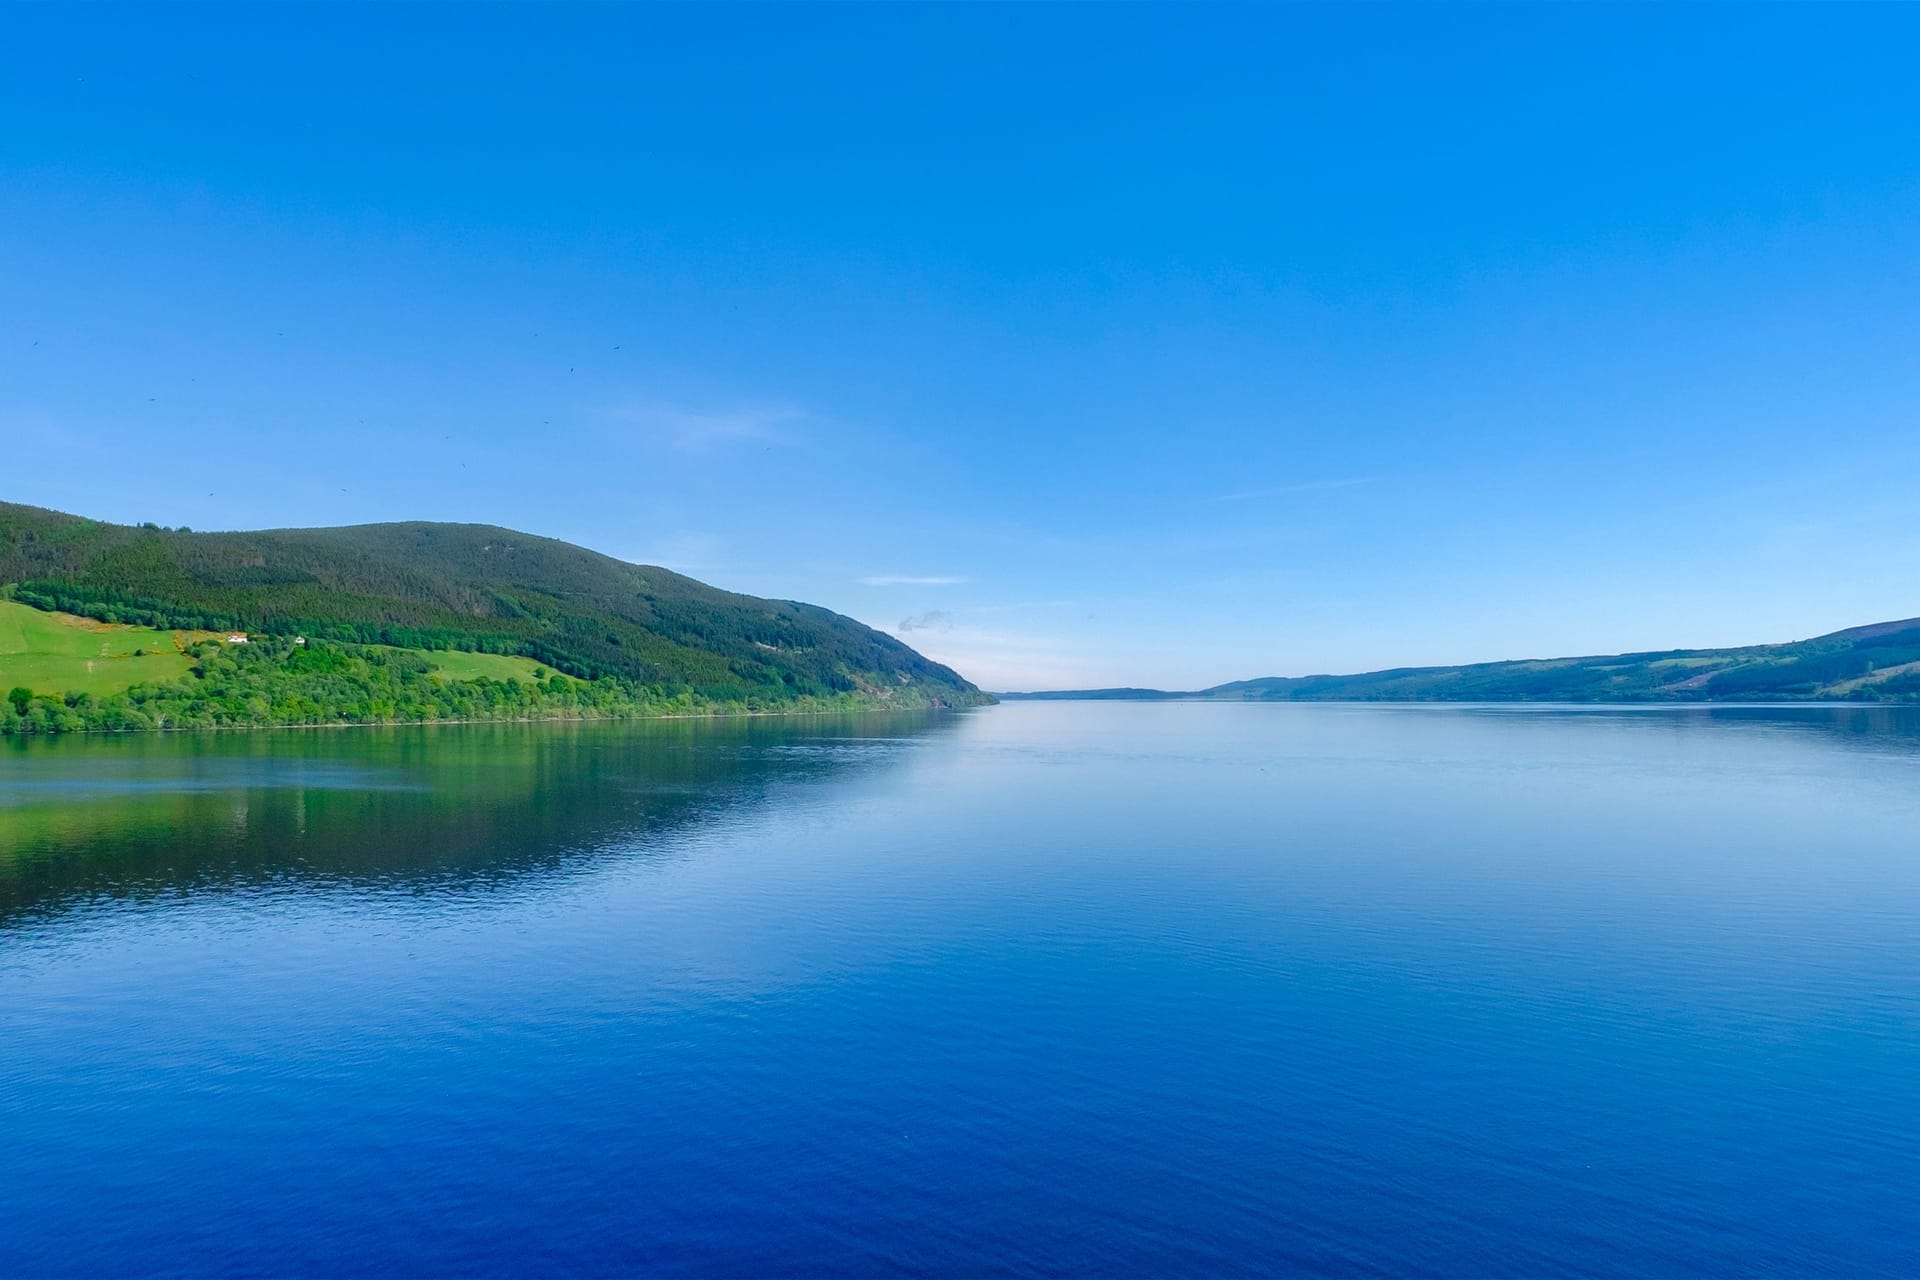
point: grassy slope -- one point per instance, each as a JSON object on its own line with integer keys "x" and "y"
{"x": 61, "y": 653}
{"x": 1874, "y": 663}
{"x": 466, "y": 587}
{"x": 451, "y": 665}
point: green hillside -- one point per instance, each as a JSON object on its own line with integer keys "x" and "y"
{"x": 58, "y": 651}
{"x": 1878, "y": 663}
{"x": 462, "y": 587}
{"x": 450, "y": 664}
{"x": 64, "y": 653}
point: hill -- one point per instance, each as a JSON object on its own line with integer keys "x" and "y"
{"x": 657, "y": 636}
{"x": 1877, "y": 663}
{"x": 1098, "y": 695}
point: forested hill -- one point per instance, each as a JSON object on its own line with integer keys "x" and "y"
{"x": 1878, "y": 663}
{"x": 465, "y": 587}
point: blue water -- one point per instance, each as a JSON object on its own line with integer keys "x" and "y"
{"x": 1044, "y": 988}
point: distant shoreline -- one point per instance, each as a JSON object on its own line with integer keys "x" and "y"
{"x": 1874, "y": 665}
{"x": 1649, "y": 704}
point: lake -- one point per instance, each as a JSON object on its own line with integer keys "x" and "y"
{"x": 1073, "y": 988}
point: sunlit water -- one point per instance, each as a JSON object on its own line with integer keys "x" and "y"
{"x": 1075, "y": 988}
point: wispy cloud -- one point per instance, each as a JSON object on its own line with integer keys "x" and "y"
{"x": 679, "y": 427}
{"x": 908, "y": 580}
{"x": 996, "y": 659}
{"x": 688, "y": 551}
{"x": 1017, "y": 606}
{"x": 931, "y": 620}
{"x": 1308, "y": 486}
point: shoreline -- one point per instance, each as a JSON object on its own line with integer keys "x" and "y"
{"x": 423, "y": 724}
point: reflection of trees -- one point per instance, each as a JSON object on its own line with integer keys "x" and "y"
{"x": 384, "y": 809}
{"x": 1892, "y": 730}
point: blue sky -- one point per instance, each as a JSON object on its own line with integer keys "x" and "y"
{"x": 1077, "y": 345}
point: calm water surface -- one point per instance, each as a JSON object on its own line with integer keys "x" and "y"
{"x": 1068, "y": 988}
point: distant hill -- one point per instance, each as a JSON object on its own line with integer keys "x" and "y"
{"x": 477, "y": 588}
{"x": 1878, "y": 663}
{"x": 1098, "y": 695}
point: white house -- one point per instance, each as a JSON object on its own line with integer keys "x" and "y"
{"x": 237, "y": 637}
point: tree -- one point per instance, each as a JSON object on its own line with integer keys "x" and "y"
{"x": 20, "y": 696}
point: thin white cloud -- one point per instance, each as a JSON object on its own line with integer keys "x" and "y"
{"x": 997, "y": 659}
{"x": 688, "y": 551}
{"x": 1309, "y": 486}
{"x": 907, "y": 580}
{"x": 1018, "y": 606}
{"x": 693, "y": 429}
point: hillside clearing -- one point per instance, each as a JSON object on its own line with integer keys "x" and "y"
{"x": 58, "y": 653}
{"x": 452, "y": 664}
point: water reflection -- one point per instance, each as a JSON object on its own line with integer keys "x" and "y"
{"x": 1101, "y": 989}
{"x": 137, "y": 817}
{"x": 1888, "y": 730}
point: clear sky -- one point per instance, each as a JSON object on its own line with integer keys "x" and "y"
{"x": 1077, "y": 345}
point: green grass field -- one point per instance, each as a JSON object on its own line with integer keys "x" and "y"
{"x": 56, "y": 653}
{"x": 451, "y": 665}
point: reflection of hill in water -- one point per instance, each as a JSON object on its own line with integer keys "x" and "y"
{"x": 392, "y": 809}
{"x": 1882, "y": 730}
{"x": 480, "y": 807}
